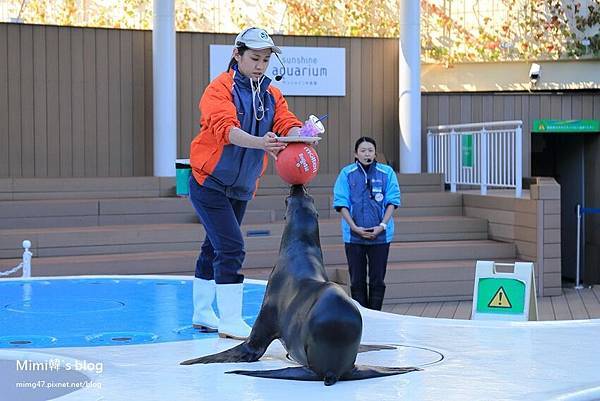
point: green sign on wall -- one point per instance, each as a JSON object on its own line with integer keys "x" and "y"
{"x": 572, "y": 126}
{"x": 501, "y": 295}
{"x": 466, "y": 146}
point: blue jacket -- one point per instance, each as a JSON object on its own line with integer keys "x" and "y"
{"x": 366, "y": 196}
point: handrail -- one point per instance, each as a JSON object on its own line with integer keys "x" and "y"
{"x": 25, "y": 264}
{"x": 472, "y": 125}
{"x": 486, "y": 154}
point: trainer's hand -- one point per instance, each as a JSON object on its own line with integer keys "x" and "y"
{"x": 271, "y": 145}
{"x": 294, "y": 131}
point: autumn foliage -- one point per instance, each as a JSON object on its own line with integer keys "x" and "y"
{"x": 451, "y": 31}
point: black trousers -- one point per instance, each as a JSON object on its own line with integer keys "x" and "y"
{"x": 375, "y": 256}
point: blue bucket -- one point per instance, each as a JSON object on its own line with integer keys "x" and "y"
{"x": 182, "y": 177}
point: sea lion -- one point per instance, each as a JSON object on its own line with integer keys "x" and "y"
{"x": 315, "y": 320}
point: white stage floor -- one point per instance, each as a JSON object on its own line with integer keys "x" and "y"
{"x": 482, "y": 360}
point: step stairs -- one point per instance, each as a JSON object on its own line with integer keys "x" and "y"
{"x": 72, "y": 241}
{"x": 55, "y": 213}
{"x": 140, "y": 228}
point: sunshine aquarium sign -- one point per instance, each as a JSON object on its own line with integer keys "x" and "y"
{"x": 307, "y": 71}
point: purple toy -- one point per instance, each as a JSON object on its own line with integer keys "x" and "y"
{"x": 313, "y": 126}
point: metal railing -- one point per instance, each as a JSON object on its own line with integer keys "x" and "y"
{"x": 488, "y": 154}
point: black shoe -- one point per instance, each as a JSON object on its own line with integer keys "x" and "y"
{"x": 376, "y": 297}
{"x": 359, "y": 294}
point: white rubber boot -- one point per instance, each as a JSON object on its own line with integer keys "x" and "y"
{"x": 204, "y": 316}
{"x": 229, "y": 300}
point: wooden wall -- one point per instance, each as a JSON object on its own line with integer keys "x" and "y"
{"x": 74, "y": 102}
{"x": 441, "y": 108}
{"x": 77, "y": 102}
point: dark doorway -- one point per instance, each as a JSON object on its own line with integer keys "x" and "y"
{"x": 560, "y": 155}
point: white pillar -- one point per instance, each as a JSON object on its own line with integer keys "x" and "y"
{"x": 410, "y": 87}
{"x": 27, "y": 259}
{"x": 484, "y": 161}
{"x": 519, "y": 162}
{"x": 164, "y": 88}
{"x": 453, "y": 159}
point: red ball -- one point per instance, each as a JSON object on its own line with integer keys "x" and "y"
{"x": 298, "y": 163}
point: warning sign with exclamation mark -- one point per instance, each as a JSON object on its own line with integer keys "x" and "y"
{"x": 500, "y": 295}
{"x": 500, "y": 300}
{"x": 506, "y": 295}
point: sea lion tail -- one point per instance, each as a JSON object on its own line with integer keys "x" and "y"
{"x": 374, "y": 347}
{"x": 305, "y": 374}
{"x": 297, "y": 373}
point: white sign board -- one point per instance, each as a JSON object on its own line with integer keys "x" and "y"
{"x": 504, "y": 295}
{"x": 309, "y": 71}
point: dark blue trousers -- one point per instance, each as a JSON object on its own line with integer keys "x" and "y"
{"x": 376, "y": 256}
{"x": 222, "y": 252}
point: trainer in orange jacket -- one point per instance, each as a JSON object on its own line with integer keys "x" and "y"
{"x": 241, "y": 112}
{"x": 227, "y": 103}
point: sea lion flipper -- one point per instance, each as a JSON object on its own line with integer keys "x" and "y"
{"x": 296, "y": 373}
{"x": 262, "y": 335}
{"x": 367, "y": 372}
{"x": 372, "y": 347}
{"x": 240, "y": 353}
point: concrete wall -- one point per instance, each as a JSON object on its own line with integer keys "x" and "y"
{"x": 511, "y": 76}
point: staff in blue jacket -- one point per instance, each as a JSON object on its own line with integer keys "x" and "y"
{"x": 366, "y": 193}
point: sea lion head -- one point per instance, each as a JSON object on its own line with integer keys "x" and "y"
{"x": 301, "y": 220}
{"x": 300, "y": 207}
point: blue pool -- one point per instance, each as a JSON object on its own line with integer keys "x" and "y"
{"x": 79, "y": 312}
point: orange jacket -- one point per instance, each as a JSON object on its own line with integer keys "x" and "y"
{"x": 226, "y": 103}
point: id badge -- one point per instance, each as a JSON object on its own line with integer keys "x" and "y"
{"x": 377, "y": 189}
